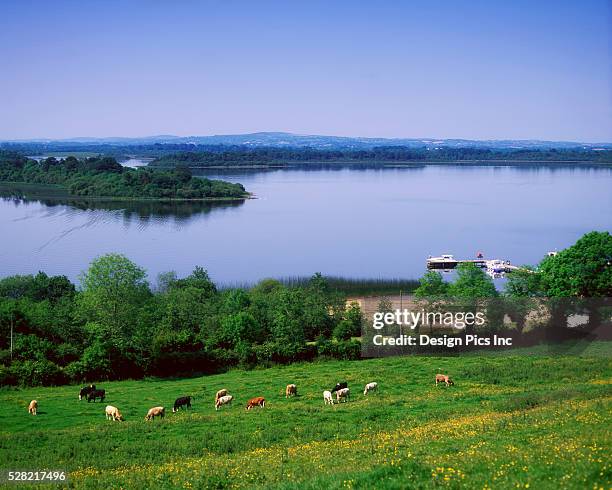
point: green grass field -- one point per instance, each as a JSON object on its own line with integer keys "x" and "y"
{"x": 511, "y": 421}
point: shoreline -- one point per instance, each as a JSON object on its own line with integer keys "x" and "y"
{"x": 398, "y": 164}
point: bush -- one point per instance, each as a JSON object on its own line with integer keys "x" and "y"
{"x": 344, "y": 349}
{"x": 345, "y": 330}
{"x": 38, "y": 373}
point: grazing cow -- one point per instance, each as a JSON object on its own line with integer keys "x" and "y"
{"x": 443, "y": 378}
{"x": 370, "y": 387}
{"x": 113, "y": 413}
{"x": 291, "y": 390}
{"x": 328, "y": 398}
{"x": 83, "y": 392}
{"x": 342, "y": 394}
{"x": 258, "y": 401}
{"x": 220, "y": 393}
{"x": 32, "y": 407}
{"x": 223, "y": 400}
{"x": 156, "y": 412}
{"x": 340, "y": 386}
{"x": 183, "y": 401}
{"x": 93, "y": 394}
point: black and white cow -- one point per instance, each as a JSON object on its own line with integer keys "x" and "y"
{"x": 83, "y": 392}
{"x": 340, "y": 386}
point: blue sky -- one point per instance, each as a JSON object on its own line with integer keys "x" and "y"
{"x": 446, "y": 69}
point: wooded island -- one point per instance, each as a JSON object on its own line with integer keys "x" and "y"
{"x": 104, "y": 177}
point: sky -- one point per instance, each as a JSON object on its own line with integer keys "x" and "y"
{"x": 440, "y": 69}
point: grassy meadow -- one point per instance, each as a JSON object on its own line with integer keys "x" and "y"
{"x": 511, "y": 421}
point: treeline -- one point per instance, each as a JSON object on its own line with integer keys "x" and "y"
{"x": 104, "y": 177}
{"x": 378, "y": 155}
{"x": 118, "y": 326}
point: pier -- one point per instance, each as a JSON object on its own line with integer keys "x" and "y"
{"x": 448, "y": 262}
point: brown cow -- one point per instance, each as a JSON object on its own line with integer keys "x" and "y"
{"x": 32, "y": 407}
{"x": 156, "y": 412}
{"x": 443, "y": 378}
{"x": 291, "y": 390}
{"x": 259, "y": 401}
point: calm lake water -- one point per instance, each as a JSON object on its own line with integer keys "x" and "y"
{"x": 354, "y": 223}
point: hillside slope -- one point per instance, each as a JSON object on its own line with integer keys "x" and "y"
{"x": 518, "y": 420}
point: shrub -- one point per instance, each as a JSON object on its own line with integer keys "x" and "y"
{"x": 37, "y": 373}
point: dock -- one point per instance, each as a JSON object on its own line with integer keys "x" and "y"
{"x": 493, "y": 266}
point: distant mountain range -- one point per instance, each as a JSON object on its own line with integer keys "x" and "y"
{"x": 276, "y": 139}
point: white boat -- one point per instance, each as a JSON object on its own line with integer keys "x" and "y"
{"x": 445, "y": 261}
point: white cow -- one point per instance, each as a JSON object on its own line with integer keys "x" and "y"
{"x": 328, "y": 398}
{"x": 344, "y": 393}
{"x": 370, "y": 387}
{"x": 113, "y": 413}
{"x": 32, "y": 407}
{"x": 224, "y": 400}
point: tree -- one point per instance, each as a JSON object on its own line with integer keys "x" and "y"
{"x": 198, "y": 279}
{"x": 432, "y": 295}
{"x": 472, "y": 282}
{"x": 431, "y": 286}
{"x": 522, "y": 286}
{"x": 183, "y": 173}
{"x": 165, "y": 280}
{"x": 113, "y": 289}
{"x": 470, "y": 291}
{"x": 583, "y": 270}
{"x": 349, "y": 326}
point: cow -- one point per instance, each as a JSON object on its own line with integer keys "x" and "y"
{"x": 92, "y": 395}
{"x": 258, "y": 401}
{"x": 342, "y": 394}
{"x": 156, "y": 412}
{"x": 339, "y": 386}
{"x": 223, "y": 400}
{"x": 86, "y": 390}
{"x": 370, "y": 387}
{"x": 113, "y": 413}
{"x": 328, "y": 398}
{"x": 183, "y": 401}
{"x": 443, "y": 378}
{"x": 32, "y": 407}
{"x": 220, "y": 393}
{"x": 291, "y": 390}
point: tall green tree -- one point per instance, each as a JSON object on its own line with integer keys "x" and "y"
{"x": 431, "y": 295}
{"x": 113, "y": 289}
{"x": 583, "y": 270}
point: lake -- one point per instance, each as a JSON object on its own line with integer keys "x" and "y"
{"x": 346, "y": 222}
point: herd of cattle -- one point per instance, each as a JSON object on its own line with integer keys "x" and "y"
{"x": 222, "y": 397}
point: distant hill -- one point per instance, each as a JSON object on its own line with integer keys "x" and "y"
{"x": 289, "y": 140}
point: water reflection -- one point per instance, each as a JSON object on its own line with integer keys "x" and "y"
{"x": 159, "y": 211}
